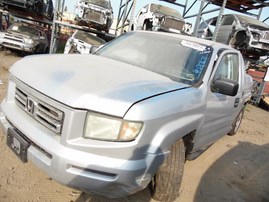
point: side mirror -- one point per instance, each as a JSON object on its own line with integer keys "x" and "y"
{"x": 225, "y": 86}
{"x": 93, "y": 49}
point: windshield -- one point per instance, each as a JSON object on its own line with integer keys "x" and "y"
{"x": 102, "y": 3}
{"x": 23, "y": 29}
{"x": 155, "y": 8}
{"x": 88, "y": 38}
{"x": 180, "y": 60}
{"x": 251, "y": 21}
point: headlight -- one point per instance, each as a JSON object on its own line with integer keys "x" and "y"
{"x": 256, "y": 36}
{"x": 109, "y": 14}
{"x": 30, "y": 41}
{"x": 112, "y": 129}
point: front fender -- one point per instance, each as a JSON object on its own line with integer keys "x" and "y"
{"x": 173, "y": 131}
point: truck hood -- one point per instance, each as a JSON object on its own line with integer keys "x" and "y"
{"x": 96, "y": 7}
{"x": 91, "y": 82}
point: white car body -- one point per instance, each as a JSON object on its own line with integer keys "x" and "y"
{"x": 156, "y": 17}
{"x": 82, "y": 42}
{"x": 95, "y": 14}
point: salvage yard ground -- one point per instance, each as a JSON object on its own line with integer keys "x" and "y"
{"x": 236, "y": 168}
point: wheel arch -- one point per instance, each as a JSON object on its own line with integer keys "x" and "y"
{"x": 240, "y": 39}
{"x": 184, "y": 128}
{"x": 148, "y": 23}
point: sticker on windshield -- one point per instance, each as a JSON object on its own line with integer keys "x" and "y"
{"x": 15, "y": 28}
{"x": 193, "y": 45}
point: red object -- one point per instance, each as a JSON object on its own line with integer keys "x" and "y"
{"x": 258, "y": 76}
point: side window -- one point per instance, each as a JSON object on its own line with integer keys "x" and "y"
{"x": 228, "y": 68}
{"x": 228, "y": 20}
{"x": 143, "y": 10}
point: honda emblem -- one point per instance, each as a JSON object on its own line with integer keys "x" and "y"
{"x": 30, "y": 106}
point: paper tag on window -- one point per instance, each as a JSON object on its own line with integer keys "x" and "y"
{"x": 15, "y": 28}
{"x": 193, "y": 45}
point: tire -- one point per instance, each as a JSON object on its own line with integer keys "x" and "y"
{"x": 36, "y": 50}
{"x": 237, "y": 122}
{"x": 47, "y": 50}
{"x": 147, "y": 26}
{"x": 165, "y": 185}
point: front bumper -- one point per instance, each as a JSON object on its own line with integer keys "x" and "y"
{"x": 261, "y": 45}
{"x": 87, "y": 172}
{"x": 17, "y": 45}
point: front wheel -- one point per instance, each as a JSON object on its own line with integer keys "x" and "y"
{"x": 166, "y": 183}
{"x": 37, "y": 50}
{"x": 237, "y": 122}
{"x": 147, "y": 26}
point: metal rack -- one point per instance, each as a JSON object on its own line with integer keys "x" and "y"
{"x": 126, "y": 15}
{"x": 127, "y": 8}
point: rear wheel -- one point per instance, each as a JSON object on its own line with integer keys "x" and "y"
{"x": 237, "y": 122}
{"x": 166, "y": 183}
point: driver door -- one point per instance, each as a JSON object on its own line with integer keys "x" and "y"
{"x": 221, "y": 109}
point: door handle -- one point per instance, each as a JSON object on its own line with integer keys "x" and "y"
{"x": 236, "y": 102}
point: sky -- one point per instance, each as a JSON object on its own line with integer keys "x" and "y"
{"x": 141, "y": 3}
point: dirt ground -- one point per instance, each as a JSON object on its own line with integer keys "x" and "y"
{"x": 236, "y": 168}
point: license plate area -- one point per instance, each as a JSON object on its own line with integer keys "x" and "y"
{"x": 17, "y": 144}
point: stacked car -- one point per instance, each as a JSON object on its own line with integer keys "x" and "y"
{"x": 96, "y": 14}
{"x": 155, "y": 17}
{"x": 34, "y": 8}
{"x": 25, "y": 37}
{"x": 244, "y": 33}
{"x": 82, "y": 42}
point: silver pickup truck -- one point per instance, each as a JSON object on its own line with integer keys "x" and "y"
{"x": 129, "y": 115}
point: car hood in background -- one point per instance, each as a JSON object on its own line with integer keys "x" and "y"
{"x": 91, "y": 82}
{"x": 17, "y": 34}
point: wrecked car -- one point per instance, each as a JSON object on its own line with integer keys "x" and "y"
{"x": 126, "y": 117}
{"x": 25, "y": 37}
{"x": 82, "y": 42}
{"x": 96, "y": 14}
{"x": 156, "y": 17}
{"x": 36, "y": 8}
{"x": 244, "y": 33}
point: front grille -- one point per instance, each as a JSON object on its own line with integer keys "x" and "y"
{"x": 10, "y": 37}
{"x": 45, "y": 114}
{"x": 95, "y": 16}
{"x": 173, "y": 23}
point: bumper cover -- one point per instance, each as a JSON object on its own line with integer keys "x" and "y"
{"x": 87, "y": 172}
{"x": 17, "y": 45}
